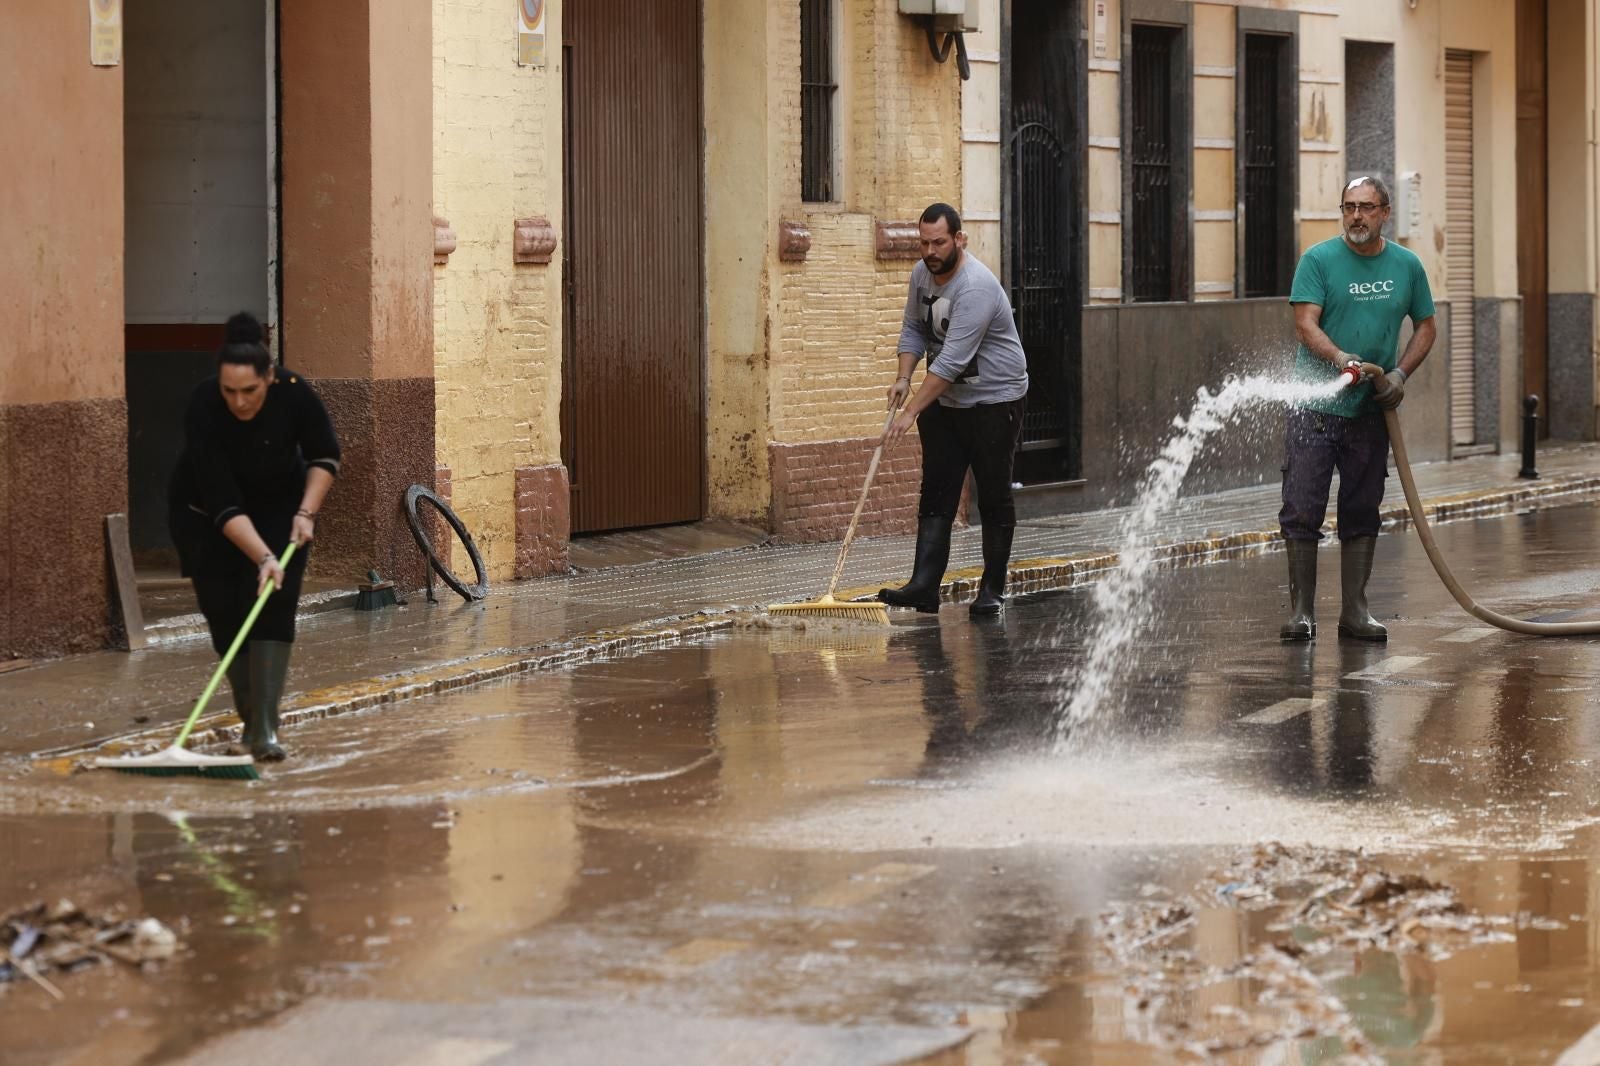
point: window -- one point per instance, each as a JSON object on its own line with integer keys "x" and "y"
{"x": 1266, "y": 166}
{"x": 818, "y": 90}
{"x": 1158, "y": 174}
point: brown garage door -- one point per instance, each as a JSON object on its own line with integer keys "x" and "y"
{"x": 633, "y": 397}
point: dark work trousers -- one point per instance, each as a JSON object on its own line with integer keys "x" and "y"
{"x": 1314, "y": 445}
{"x": 225, "y": 599}
{"x": 983, "y": 439}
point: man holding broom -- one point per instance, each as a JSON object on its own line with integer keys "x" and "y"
{"x": 968, "y": 410}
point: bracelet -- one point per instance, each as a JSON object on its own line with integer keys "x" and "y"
{"x": 906, "y": 380}
{"x": 265, "y": 559}
{"x": 303, "y": 513}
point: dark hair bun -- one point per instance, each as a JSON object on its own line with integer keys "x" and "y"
{"x": 243, "y": 328}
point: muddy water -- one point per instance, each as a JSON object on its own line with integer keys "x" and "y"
{"x": 853, "y": 830}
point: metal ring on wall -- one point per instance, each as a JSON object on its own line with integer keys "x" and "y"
{"x": 476, "y": 591}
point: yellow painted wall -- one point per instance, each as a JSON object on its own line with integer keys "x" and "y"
{"x": 1420, "y": 36}
{"x": 1105, "y": 157}
{"x": 740, "y": 117}
{"x": 1572, "y": 149}
{"x": 496, "y": 158}
{"x": 838, "y": 313}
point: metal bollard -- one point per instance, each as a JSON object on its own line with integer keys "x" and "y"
{"x": 1530, "y": 435}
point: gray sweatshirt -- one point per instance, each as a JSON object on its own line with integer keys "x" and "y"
{"x": 966, "y": 330}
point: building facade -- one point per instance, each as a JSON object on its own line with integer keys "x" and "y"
{"x": 585, "y": 265}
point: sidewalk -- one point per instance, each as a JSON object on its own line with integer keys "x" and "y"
{"x": 347, "y": 660}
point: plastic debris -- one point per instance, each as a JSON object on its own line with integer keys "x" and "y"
{"x": 62, "y": 939}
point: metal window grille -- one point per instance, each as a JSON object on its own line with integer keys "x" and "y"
{"x": 1151, "y": 162}
{"x": 1263, "y": 154}
{"x": 817, "y": 92}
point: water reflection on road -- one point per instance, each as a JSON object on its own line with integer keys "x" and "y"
{"x": 847, "y": 828}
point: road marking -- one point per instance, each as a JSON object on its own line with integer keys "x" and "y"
{"x": 1468, "y": 635}
{"x": 1284, "y": 710}
{"x": 701, "y": 950}
{"x": 1395, "y": 664}
{"x": 457, "y": 1051}
{"x": 862, "y": 887}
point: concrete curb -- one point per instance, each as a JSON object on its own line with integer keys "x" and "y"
{"x": 1030, "y": 575}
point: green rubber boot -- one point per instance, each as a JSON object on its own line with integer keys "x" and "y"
{"x": 269, "y": 666}
{"x": 1302, "y": 624}
{"x": 239, "y": 681}
{"x": 1355, "y": 567}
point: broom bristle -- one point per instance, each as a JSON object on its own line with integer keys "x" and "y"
{"x": 859, "y": 612}
{"x": 229, "y": 773}
{"x": 181, "y": 762}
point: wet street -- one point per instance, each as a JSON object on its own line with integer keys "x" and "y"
{"x": 853, "y": 845}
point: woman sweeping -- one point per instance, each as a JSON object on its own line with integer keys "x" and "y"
{"x": 259, "y": 456}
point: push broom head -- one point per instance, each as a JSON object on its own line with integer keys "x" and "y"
{"x": 829, "y": 608}
{"x": 181, "y": 762}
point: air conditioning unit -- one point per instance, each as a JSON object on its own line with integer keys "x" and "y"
{"x": 949, "y": 16}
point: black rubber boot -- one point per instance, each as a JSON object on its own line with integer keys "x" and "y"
{"x": 1302, "y": 624}
{"x": 933, "y": 554}
{"x": 269, "y": 666}
{"x": 996, "y": 559}
{"x": 1355, "y": 566}
{"x": 239, "y": 681}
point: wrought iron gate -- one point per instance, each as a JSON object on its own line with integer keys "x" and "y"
{"x": 1044, "y": 116}
{"x": 1039, "y": 239}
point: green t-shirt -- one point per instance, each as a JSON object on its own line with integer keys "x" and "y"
{"x": 1363, "y": 298}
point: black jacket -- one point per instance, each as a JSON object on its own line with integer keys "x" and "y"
{"x": 258, "y": 468}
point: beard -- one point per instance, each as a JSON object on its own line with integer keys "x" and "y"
{"x": 1356, "y": 234}
{"x": 938, "y": 266}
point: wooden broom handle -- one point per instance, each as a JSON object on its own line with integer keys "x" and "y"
{"x": 849, "y": 534}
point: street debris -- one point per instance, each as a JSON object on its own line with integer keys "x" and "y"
{"x": 1276, "y": 940}
{"x": 61, "y": 939}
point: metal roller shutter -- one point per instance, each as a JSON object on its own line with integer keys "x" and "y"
{"x": 1458, "y": 243}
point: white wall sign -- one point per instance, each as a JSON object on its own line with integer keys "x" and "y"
{"x": 105, "y": 32}
{"x": 530, "y": 33}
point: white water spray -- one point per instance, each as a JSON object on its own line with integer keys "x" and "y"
{"x": 1122, "y": 605}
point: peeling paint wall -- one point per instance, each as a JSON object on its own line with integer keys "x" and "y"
{"x": 741, "y": 221}
{"x": 839, "y": 311}
{"x": 497, "y": 333}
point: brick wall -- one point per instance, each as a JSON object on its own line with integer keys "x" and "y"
{"x": 497, "y": 323}
{"x": 544, "y": 522}
{"x": 838, "y": 313}
{"x": 815, "y": 486}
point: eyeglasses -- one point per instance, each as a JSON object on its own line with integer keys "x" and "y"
{"x": 1365, "y": 209}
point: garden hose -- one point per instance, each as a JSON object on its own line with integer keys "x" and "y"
{"x": 1419, "y": 518}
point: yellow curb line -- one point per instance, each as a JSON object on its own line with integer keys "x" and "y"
{"x": 1028, "y": 575}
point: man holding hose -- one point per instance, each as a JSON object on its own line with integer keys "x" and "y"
{"x": 1350, "y": 295}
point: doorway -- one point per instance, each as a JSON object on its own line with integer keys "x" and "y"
{"x": 1042, "y": 119}
{"x": 200, "y": 233}
{"x": 633, "y": 378}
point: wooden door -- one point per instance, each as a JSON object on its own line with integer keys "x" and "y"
{"x": 633, "y": 393}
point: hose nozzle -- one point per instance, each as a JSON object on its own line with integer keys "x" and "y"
{"x": 1353, "y": 372}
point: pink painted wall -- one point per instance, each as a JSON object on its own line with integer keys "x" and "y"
{"x": 357, "y": 188}
{"x": 61, "y": 198}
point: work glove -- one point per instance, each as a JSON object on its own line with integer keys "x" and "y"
{"x": 1390, "y": 389}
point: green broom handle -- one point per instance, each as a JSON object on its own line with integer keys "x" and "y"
{"x": 233, "y": 649}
